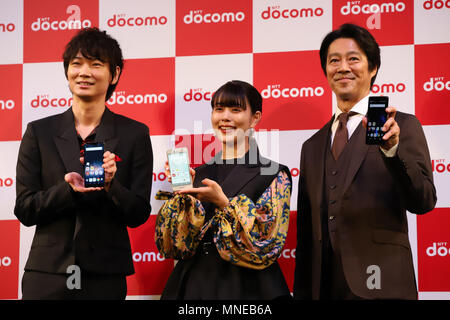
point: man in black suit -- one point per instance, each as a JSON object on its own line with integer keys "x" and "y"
{"x": 81, "y": 248}
{"x": 352, "y": 239}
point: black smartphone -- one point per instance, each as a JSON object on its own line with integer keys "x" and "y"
{"x": 94, "y": 174}
{"x": 376, "y": 117}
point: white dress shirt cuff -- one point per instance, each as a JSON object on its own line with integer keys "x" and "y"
{"x": 391, "y": 152}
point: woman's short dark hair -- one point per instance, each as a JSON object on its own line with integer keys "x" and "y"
{"x": 362, "y": 37}
{"x": 237, "y": 93}
{"x": 95, "y": 44}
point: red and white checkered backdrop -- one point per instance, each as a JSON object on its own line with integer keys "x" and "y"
{"x": 179, "y": 52}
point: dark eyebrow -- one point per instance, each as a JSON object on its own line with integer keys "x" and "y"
{"x": 347, "y": 54}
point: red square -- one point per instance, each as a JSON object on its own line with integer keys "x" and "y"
{"x": 152, "y": 270}
{"x": 287, "y": 258}
{"x": 201, "y": 147}
{"x": 9, "y": 259}
{"x": 390, "y": 22}
{"x": 433, "y": 245}
{"x": 10, "y": 102}
{"x": 49, "y": 25}
{"x": 213, "y": 27}
{"x": 146, "y": 93}
{"x": 432, "y": 77}
{"x": 295, "y": 91}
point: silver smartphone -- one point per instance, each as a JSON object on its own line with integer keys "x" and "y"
{"x": 178, "y": 159}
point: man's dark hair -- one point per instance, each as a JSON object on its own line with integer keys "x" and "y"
{"x": 362, "y": 37}
{"x": 237, "y": 93}
{"x": 95, "y": 44}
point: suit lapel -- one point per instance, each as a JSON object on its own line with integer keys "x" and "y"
{"x": 67, "y": 143}
{"x": 106, "y": 131}
{"x": 318, "y": 160}
{"x": 238, "y": 178}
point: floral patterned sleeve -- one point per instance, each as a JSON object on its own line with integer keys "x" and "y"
{"x": 251, "y": 234}
{"x": 247, "y": 234}
{"x": 178, "y": 226}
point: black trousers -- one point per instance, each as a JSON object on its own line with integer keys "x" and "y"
{"x": 333, "y": 283}
{"x": 48, "y": 286}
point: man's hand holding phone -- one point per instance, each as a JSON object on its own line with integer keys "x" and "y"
{"x": 77, "y": 182}
{"x": 390, "y": 128}
{"x": 380, "y": 124}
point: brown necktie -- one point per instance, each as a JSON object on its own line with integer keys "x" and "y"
{"x": 341, "y": 135}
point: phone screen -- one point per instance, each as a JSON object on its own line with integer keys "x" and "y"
{"x": 179, "y": 168}
{"x": 94, "y": 175}
{"x": 376, "y": 117}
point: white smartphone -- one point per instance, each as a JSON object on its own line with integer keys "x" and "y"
{"x": 178, "y": 159}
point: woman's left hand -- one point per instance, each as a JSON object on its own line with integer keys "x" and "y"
{"x": 212, "y": 192}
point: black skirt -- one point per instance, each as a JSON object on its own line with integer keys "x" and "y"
{"x": 206, "y": 276}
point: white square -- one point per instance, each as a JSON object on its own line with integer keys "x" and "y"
{"x": 284, "y": 147}
{"x": 160, "y": 144}
{"x": 45, "y": 91}
{"x": 431, "y": 22}
{"x": 11, "y": 31}
{"x": 144, "y": 29}
{"x": 196, "y": 79}
{"x": 290, "y": 25}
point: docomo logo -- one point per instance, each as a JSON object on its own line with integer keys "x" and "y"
{"x": 438, "y": 248}
{"x": 72, "y": 22}
{"x": 439, "y": 166}
{"x": 275, "y": 12}
{"x": 353, "y": 7}
{"x": 197, "y": 95}
{"x": 8, "y": 182}
{"x": 388, "y": 88}
{"x": 197, "y": 17}
{"x": 295, "y": 172}
{"x": 10, "y": 27}
{"x": 120, "y": 21}
{"x": 437, "y": 84}
{"x": 160, "y": 176}
{"x": 288, "y": 254}
{"x": 274, "y": 91}
{"x": 147, "y": 257}
{"x": 8, "y": 104}
{"x": 122, "y": 98}
{"x": 437, "y": 4}
{"x": 45, "y": 101}
{"x": 5, "y": 261}
{"x": 46, "y": 24}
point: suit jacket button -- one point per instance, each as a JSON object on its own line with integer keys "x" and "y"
{"x": 334, "y": 172}
{"x": 331, "y": 217}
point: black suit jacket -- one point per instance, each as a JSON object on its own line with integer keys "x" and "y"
{"x": 89, "y": 230}
{"x": 372, "y": 223}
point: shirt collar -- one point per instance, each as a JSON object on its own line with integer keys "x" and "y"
{"x": 360, "y": 107}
